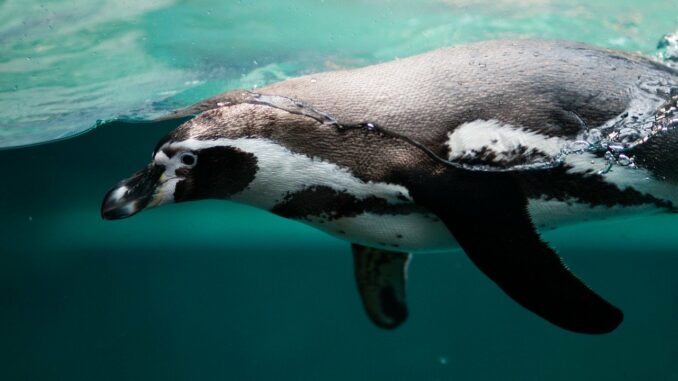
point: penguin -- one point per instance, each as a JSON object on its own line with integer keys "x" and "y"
{"x": 478, "y": 147}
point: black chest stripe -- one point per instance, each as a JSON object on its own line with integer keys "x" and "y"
{"x": 330, "y": 204}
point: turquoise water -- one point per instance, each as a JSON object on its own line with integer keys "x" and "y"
{"x": 66, "y": 64}
{"x": 213, "y": 290}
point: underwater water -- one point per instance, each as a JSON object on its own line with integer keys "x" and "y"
{"x": 213, "y": 290}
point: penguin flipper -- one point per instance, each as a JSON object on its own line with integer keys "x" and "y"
{"x": 493, "y": 227}
{"x": 381, "y": 275}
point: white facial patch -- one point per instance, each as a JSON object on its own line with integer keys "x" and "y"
{"x": 164, "y": 192}
{"x": 501, "y": 143}
{"x": 281, "y": 171}
{"x": 171, "y": 164}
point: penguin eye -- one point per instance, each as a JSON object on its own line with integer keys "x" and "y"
{"x": 188, "y": 159}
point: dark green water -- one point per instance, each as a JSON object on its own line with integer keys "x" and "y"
{"x": 217, "y": 291}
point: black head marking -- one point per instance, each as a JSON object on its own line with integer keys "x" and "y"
{"x": 218, "y": 172}
{"x": 162, "y": 142}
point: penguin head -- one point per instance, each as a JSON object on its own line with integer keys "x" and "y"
{"x": 180, "y": 171}
{"x": 217, "y": 155}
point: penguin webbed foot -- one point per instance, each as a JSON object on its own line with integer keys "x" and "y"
{"x": 380, "y": 276}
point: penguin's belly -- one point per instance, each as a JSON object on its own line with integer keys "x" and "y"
{"x": 413, "y": 232}
{"x": 424, "y": 232}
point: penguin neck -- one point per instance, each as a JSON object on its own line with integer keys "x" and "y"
{"x": 295, "y": 152}
{"x": 282, "y": 172}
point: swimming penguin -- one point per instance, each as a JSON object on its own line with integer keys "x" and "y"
{"x": 476, "y": 146}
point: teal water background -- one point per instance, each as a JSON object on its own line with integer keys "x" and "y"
{"x": 217, "y": 291}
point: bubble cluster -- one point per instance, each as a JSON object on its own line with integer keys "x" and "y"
{"x": 613, "y": 142}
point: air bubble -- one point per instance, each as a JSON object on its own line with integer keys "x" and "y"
{"x": 624, "y": 160}
{"x": 594, "y": 136}
{"x": 628, "y": 135}
{"x": 577, "y": 147}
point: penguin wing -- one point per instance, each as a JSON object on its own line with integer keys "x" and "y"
{"x": 488, "y": 217}
{"x": 381, "y": 275}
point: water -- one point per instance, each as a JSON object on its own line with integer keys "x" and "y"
{"x": 65, "y": 64}
{"x": 212, "y": 290}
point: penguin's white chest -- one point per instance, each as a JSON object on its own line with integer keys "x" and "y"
{"x": 414, "y": 232}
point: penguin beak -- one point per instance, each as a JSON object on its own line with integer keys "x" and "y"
{"x": 132, "y": 195}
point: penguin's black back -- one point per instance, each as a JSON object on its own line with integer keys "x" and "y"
{"x": 554, "y": 87}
